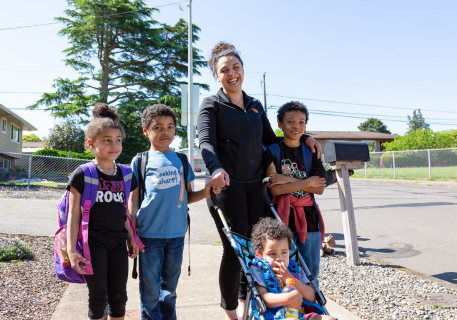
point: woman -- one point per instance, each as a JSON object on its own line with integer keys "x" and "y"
{"x": 232, "y": 129}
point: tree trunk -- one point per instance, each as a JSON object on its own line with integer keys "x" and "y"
{"x": 105, "y": 78}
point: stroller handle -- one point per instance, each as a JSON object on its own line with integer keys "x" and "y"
{"x": 265, "y": 182}
{"x": 214, "y": 199}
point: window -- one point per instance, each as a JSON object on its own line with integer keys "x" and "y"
{"x": 6, "y": 164}
{"x": 15, "y": 133}
{"x": 4, "y": 125}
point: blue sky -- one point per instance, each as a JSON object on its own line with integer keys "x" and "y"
{"x": 396, "y": 54}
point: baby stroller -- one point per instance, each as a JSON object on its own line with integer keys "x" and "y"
{"x": 243, "y": 250}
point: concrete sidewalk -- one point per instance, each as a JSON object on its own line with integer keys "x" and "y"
{"x": 198, "y": 294}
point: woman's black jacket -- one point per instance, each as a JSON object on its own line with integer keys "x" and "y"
{"x": 233, "y": 139}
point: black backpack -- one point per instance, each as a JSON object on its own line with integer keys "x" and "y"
{"x": 142, "y": 160}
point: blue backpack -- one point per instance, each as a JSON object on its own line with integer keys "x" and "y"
{"x": 63, "y": 268}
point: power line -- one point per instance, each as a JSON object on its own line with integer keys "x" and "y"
{"x": 395, "y": 120}
{"x": 358, "y": 84}
{"x": 34, "y": 25}
{"x": 21, "y": 92}
{"x": 376, "y": 115}
{"x": 109, "y": 15}
{"x": 341, "y": 102}
{"x": 356, "y": 104}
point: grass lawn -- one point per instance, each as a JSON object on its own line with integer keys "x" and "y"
{"x": 46, "y": 184}
{"x": 438, "y": 173}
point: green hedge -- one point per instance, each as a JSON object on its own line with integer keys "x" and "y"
{"x": 439, "y": 158}
{"x": 59, "y": 153}
{"x": 410, "y": 159}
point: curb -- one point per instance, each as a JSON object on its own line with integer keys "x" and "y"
{"x": 416, "y": 183}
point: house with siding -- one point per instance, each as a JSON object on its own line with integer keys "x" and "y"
{"x": 375, "y": 139}
{"x": 11, "y": 128}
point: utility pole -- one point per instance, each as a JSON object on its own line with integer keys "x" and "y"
{"x": 190, "y": 127}
{"x": 264, "y": 94}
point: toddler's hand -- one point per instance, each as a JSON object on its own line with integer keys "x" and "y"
{"x": 295, "y": 299}
{"x": 75, "y": 259}
{"x": 281, "y": 271}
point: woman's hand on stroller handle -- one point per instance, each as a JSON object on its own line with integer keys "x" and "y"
{"x": 220, "y": 178}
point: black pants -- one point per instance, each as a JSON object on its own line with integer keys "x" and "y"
{"x": 242, "y": 205}
{"x": 109, "y": 281}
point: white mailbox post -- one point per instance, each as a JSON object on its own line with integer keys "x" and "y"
{"x": 344, "y": 156}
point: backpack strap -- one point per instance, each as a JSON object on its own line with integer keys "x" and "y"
{"x": 185, "y": 167}
{"x": 142, "y": 161}
{"x": 276, "y": 152}
{"x": 127, "y": 177}
{"x": 88, "y": 199}
{"x": 307, "y": 157}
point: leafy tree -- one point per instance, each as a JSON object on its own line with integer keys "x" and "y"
{"x": 279, "y": 133}
{"x": 121, "y": 54}
{"x": 183, "y": 144}
{"x": 417, "y": 122}
{"x": 130, "y": 111}
{"x": 30, "y": 138}
{"x": 422, "y": 139}
{"x": 373, "y": 125}
{"x": 67, "y": 136}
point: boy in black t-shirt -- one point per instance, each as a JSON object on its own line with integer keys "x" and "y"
{"x": 297, "y": 175}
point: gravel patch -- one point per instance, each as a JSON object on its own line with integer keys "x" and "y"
{"x": 30, "y": 289}
{"x": 376, "y": 291}
{"x": 35, "y": 192}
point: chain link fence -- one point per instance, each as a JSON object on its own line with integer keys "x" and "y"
{"x": 19, "y": 167}
{"x": 412, "y": 164}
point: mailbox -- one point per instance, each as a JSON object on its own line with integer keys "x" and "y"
{"x": 346, "y": 151}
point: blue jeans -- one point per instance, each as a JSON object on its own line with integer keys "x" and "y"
{"x": 160, "y": 267}
{"x": 310, "y": 251}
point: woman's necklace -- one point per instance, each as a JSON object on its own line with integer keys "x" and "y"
{"x": 115, "y": 169}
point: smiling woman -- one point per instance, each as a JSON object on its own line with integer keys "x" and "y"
{"x": 233, "y": 128}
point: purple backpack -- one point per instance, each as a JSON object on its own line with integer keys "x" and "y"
{"x": 63, "y": 268}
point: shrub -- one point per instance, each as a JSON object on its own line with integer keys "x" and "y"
{"x": 64, "y": 154}
{"x": 66, "y": 136}
{"x": 375, "y": 161}
{"x": 422, "y": 139}
{"x": 407, "y": 159}
{"x": 14, "y": 249}
{"x": 418, "y": 158}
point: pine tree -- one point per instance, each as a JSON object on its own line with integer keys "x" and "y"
{"x": 124, "y": 57}
{"x": 417, "y": 122}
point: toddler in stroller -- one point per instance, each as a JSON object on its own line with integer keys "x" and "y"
{"x": 272, "y": 242}
{"x": 247, "y": 257}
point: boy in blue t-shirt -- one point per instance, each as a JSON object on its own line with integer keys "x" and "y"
{"x": 298, "y": 174}
{"x": 161, "y": 218}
